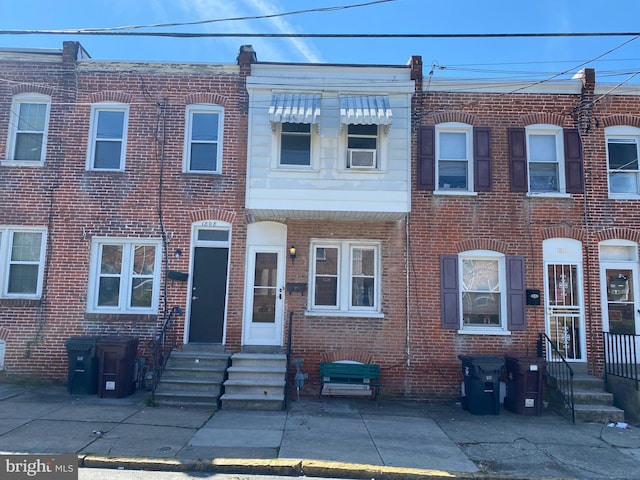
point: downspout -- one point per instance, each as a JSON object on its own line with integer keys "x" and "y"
{"x": 407, "y": 293}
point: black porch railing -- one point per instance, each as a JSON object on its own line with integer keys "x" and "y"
{"x": 159, "y": 350}
{"x": 621, "y": 356}
{"x": 559, "y": 372}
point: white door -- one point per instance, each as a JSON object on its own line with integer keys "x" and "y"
{"x": 263, "y": 317}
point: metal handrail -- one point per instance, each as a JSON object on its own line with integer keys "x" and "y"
{"x": 287, "y": 376}
{"x": 159, "y": 353}
{"x": 559, "y": 369}
{"x": 620, "y": 356}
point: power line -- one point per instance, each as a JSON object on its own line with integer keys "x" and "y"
{"x": 319, "y": 35}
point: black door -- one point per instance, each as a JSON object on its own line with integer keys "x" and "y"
{"x": 208, "y": 294}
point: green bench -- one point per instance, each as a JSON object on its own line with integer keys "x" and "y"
{"x": 367, "y": 374}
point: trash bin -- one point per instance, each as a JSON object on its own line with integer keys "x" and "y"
{"x": 481, "y": 384}
{"x": 525, "y": 377}
{"x": 82, "y": 377}
{"x": 116, "y": 366}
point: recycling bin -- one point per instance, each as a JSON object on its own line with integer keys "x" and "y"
{"x": 525, "y": 381}
{"x": 481, "y": 384}
{"x": 82, "y": 377}
{"x": 116, "y": 366}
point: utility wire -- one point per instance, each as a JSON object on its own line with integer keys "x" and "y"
{"x": 320, "y": 35}
{"x": 232, "y": 19}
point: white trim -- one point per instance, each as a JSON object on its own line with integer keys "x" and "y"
{"x": 16, "y": 104}
{"x": 96, "y": 109}
{"x": 557, "y": 133}
{"x": 6, "y": 242}
{"x": 208, "y": 109}
{"x": 344, "y": 281}
{"x": 502, "y": 328}
{"x": 630, "y": 135}
{"x": 126, "y": 276}
{"x": 467, "y": 130}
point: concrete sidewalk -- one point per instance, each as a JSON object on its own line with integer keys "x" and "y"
{"x": 349, "y": 438}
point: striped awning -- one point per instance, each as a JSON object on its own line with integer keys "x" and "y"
{"x": 294, "y": 108}
{"x": 365, "y": 110}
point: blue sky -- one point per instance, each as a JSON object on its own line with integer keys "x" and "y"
{"x": 505, "y": 58}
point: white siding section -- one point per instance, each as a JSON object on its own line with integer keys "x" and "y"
{"x": 327, "y": 188}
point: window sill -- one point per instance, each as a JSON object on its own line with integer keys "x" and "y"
{"x": 22, "y": 163}
{"x": 203, "y": 172}
{"x": 464, "y": 193}
{"x": 340, "y": 313}
{"x": 484, "y": 331}
{"x": 623, "y": 196}
{"x": 121, "y": 316}
{"x": 548, "y": 195}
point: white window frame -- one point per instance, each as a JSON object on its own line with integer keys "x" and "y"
{"x": 377, "y": 154}
{"x": 626, "y": 134}
{"x": 126, "y": 277}
{"x": 487, "y": 255}
{"x": 311, "y": 135}
{"x": 208, "y": 109}
{"x": 12, "y": 139}
{"x": 6, "y": 244}
{"x": 455, "y": 127}
{"x": 557, "y": 132}
{"x": 345, "y": 275}
{"x": 96, "y": 109}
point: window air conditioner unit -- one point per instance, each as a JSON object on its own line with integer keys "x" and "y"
{"x": 359, "y": 158}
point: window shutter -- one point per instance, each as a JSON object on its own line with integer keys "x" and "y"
{"x": 573, "y": 164}
{"x": 427, "y": 158}
{"x": 449, "y": 294}
{"x": 516, "y": 295}
{"x": 482, "y": 159}
{"x": 518, "y": 159}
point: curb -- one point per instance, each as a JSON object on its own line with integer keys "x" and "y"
{"x": 285, "y": 467}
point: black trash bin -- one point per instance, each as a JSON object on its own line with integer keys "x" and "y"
{"x": 82, "y": 377}
{"x": 116, "y": 365}
{"x": 525, "y": 380}
{"x": 481, "y": 384}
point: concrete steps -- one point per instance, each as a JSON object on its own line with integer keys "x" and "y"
{"x": 255, "y": 381}
{"x": 592, "y": 402}
{"x": 193, "y": 377}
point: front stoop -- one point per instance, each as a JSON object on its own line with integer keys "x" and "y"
{"x": 256, "y": 381}
{"x": 592, "y": 402}
{"x": 193, "y": 378}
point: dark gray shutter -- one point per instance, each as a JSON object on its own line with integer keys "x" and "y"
{"x": 518, "y": 159}
{"x": 427, "y": 158}
{"x": 516, "y": 294}
{"x": 573, "y": 164}
{"x": 449, "y": 293}
{"x": 482, "y": 159}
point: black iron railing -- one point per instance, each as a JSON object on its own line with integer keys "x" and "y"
{"x": 621, "y": 356}
{"x": 559, "y": 372}
{"x": 160, "y": 350}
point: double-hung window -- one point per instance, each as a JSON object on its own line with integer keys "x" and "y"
{"x": 203, "y": 139}
{"x": 545, "y": 157}
{"x": 125, "y": 276}
{"x": 22, "y": 256}
{"x": 623, "y": 148}
{"x": 28, "y": 124}
{"x": 362, "y": 146}
{"x": 108, "y": 136}
{"x": 482, "y": 291}
{"x": 295, "y": 144}
{"x": 345, "y": 277}
{"x": 454, "y": 166}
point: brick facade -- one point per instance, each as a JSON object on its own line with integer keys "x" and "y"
{"x": 153, "y": 199}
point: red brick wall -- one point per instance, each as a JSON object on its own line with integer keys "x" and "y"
{"x": 77, "y": 205}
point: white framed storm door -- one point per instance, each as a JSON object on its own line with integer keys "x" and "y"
{"x": 564, "y": 296}
{"x": 620, "y": 294}
{"x": 263, "y": 318}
